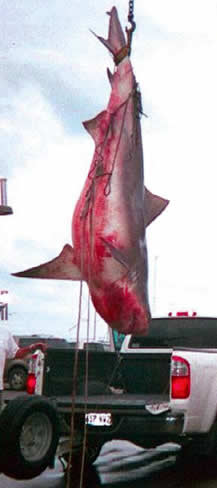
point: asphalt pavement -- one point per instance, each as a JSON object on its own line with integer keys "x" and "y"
{"x": 124, "y": 465}
{"x": 118, "y": 462}
{"x": 50, "y": 478}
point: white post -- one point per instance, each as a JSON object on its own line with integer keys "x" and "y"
{"x": 4, "y": 209}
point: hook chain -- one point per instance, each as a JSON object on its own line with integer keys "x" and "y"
{"x": 133, "y": 25}
{"x": 131, "y": 11}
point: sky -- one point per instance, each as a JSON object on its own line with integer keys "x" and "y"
{"x": 53, "y": 77}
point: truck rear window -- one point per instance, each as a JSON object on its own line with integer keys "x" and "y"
{"x": 195, "y": 332}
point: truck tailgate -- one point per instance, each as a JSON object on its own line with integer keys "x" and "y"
{"x": 117, "y": 403}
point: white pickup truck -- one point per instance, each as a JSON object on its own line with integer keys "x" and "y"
{"x": 157, "y": 388}
{"x": 191, "y": 343}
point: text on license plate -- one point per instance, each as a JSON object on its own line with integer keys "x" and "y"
{"x": 98, "y": 419}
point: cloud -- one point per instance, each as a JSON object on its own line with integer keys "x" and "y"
{"x": 187, "y": 19}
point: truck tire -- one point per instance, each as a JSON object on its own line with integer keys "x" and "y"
{"x": 29, "y": 434}
{"x": 17, "y": 378}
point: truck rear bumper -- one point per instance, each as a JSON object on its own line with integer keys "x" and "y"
{"x": 145, "y": 430}
{"x": 129, "y": 421}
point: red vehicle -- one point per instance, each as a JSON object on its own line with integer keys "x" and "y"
{"x": 16, "y": 370}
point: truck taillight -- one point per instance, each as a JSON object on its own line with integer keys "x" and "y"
{"x": 180, "y": 378}
{"x": 31, "y": 383}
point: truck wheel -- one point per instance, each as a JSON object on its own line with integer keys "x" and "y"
{"x": 29, "y": 434}
{"x": 17, "y": 378}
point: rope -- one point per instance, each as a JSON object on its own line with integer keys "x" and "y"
{"x": 84, "y": 446}
{"x": 75, "y": 369}
{"x": 69, "y": 473}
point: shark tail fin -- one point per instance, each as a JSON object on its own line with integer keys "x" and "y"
{"x": 116, "y": 40}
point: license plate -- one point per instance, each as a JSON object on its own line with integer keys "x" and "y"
{"x": 98, "y": 419}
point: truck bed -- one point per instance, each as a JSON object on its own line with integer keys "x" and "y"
{"x": 136, "y": 373}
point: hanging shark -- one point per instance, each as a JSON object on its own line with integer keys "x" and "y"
{"x": 114, "y": 208}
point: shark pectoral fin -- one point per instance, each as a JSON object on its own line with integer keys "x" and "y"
{"x": 60, "y": 268}
{"x": 154, "y": 205}
{"x": 93, "y": 125}
{"x": 116, "y": 254}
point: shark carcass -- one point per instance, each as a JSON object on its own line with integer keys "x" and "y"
{"x": 110, "y": 218}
